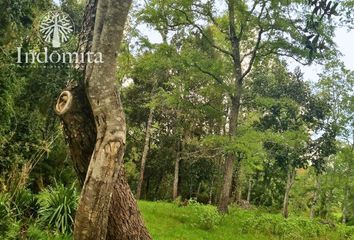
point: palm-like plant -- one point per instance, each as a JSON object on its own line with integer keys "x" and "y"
{"x": 57, "y": 207}
{"x": 23, "y": 203}
{"x": 5, "y": 212}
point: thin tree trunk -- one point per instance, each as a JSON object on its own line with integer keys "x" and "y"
{"x": 249, "y": 191}
{"x": 289, "y": 183}
{"x": 145, "y": 153}
{"x": 176, "y": 178}
{"x": 347, "y": 189}
{"x": 190, "y": 186}
{"x": 345, "y": 204}
{"x": 237, "y": 181}
{"x": 210, "y": 201}
{"x": 315, "y": 197}
{"x": 176, "y": 172}
{"x": 158, "y": 185}
{"x": 198, "y": 189}
{"x": 107, "y": 208}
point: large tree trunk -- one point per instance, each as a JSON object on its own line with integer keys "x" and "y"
{"x": 230, "y": 158}
{"x": 289, "y": 183}
{"x": 145, "y": 153}
{"x": 107, "y": 208}
{"x": 234, "y": 111}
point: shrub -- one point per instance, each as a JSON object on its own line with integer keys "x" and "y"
{"x": 203, "y": 197}
{"x": 57, "y": 207}
{"x": 207, "y": 216}
{"x": 4, "y": 205}
{"x": 35, "y": 233}
{"x": 23, "y": 202}
{"x": 178, "y": 201}
{"x": 292, "y": 228}
{"x": 349, "y": 233}
{"x": 13, "y": 231}
{"x": 5, "y": 213}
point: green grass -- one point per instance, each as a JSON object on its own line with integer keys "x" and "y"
{"x": 170, "y": 221}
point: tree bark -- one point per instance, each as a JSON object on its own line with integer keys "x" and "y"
{"x": 210, "y": 201}
{"x": 345, "y": 204}
{"x": 249, "y": 191}
{"x": 237, "y": 181}
{"x": 234, "y": 111}
{"x": 145, "y": 153}
{"x": 107, "y": 208}
{"x": 289, "y": 183}
{"x": 230, "y": 157}
{"x": 176, "y": 177}
{"x": 347, "y": 194}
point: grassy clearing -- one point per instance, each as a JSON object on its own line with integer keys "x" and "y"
{"x": 170, "y": 221}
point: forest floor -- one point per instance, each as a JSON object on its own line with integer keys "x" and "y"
{"x": 201, "y": 222}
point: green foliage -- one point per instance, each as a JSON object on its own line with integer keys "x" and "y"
{"x": 34, "y": 232}
{"x": 166, "y": 221}
{"x": 5, "y": 212}
{"x": 208, "y": 217}
{"x": 293, "y": 228}
{"x": 178, "y": 201}
{"x": 57, "y": 207}
{"x": 9, "y": 227}
{"x": 348, "y": 232}
{"x": 24, "y": 203}
{"x": 188, "y": 81}
{"x": 13, "y": 231}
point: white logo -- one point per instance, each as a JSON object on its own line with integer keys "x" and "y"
{"x": 56, "y": 28}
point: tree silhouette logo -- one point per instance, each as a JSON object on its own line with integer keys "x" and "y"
{"x": 56, "y": 28}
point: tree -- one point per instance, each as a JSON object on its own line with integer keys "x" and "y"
{"x": 29, "y": 129}
{"x": 145, "y": 152}
{"x": 94, "y": 124}
{"x": 290, "y": 112}
{"x": 247, "y": 32}
{"x": 336, "y": 89}
{"x": 344, "y": 167}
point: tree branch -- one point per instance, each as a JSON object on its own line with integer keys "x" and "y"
{"x": 254, "y": 54}
{"x": 216, "y": 78}
{"x": 190, "y": 22}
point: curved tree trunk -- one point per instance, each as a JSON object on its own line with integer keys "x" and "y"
{"x": 94, "y": 122}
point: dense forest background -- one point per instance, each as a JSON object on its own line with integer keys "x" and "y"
{"x": 293, "y": 146}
